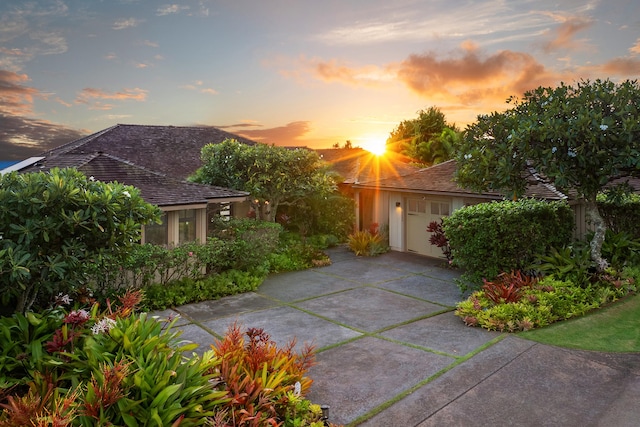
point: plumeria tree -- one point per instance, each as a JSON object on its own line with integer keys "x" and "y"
{"x": 580, "y": 138}
{"x": 273, "y": 175}
{"x": 53, "y": 224}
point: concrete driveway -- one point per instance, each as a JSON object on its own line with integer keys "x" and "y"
{"x": 390, "y": 352}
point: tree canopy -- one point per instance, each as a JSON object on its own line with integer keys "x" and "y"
{"x": 53, "y": 224}
{"x": 273, "y": 175}
{"x": 429, "y": 138}
{"x": 580, "y": 138}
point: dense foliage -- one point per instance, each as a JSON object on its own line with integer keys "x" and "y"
{"x": 490, "y": 238}
{"x": 620, "y": 209}
{"x": 579, "y": 137}
{"x": 273, "y": 175}
{"x": 54, "y": 225}
{"x": 115, "y": 367}
{"x": 429, "y": 138}
{"x": 515, "y": 305}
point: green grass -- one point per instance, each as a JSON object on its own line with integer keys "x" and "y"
{"x": 615, "y": 328}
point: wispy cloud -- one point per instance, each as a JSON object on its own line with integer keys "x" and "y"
{"x": 125, "y": 23}
{"x": 198, "y": 85}
{"x": 289, "y": 134}
{"x": 564, "y": 35}
{"x": 624, "y": 67}
{"x": 94, "y": 97}
{"x": 15, "y": 97}
{"x": 170, "y": 9}
{"x": 635, "y": 49}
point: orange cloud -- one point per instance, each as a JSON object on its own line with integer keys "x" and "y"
{"x": 94, "y": 96}
{"x": 470, "y": 77}
{"x": 15, "y": 98}
{"x": 564, "y": 34}
{"x": 622, "y": 67}
{"x": 283, "y": 135}
{"x": 635, "y": 48}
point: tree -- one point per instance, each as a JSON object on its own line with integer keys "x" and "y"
{"x": 53, "y": 224}
{"x": 429, "y": 139}
{"x": 580, "y": 138}
{"x": 273, "y": 175}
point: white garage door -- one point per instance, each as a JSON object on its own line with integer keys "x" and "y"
{"x": 420, "y": 212}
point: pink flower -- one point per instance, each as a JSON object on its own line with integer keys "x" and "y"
{"x": 190, "y": 253}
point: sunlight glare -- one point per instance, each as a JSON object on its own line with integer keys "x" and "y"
{"x": 376, "y": 145}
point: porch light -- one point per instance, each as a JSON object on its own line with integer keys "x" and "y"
{"x": 397, "y": 204}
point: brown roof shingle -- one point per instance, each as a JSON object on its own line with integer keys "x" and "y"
{"x": 356, "y": 165}
{"x": 438, "y": 179}
{"x": 171, "y": 150}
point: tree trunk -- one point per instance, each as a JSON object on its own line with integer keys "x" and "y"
{"x": 598, "y": 237}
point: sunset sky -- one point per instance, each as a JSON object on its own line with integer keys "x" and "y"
{"x": 306, "y": 73}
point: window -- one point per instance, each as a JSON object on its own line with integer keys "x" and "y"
{"x": 438, "y": 208}
{"x": 186, "y": 225}
{"x": 157, "y": 233}
{"x": 417, "y": 206}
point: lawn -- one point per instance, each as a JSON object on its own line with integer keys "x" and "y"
{"x": 613, "y": 329}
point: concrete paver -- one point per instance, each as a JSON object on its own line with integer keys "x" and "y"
{"x": 390, "y": 352}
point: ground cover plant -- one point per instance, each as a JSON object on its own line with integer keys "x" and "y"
{"x": 112, "y": 366}
{"x": 517, "y": 302}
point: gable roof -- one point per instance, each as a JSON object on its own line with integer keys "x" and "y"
{"x": 357, "y": 165}
{"x": 438, "y": 179}
{"x": 171, "y": 150}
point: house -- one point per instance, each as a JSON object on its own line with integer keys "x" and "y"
{"x": 157, "y": 160}
{"x": 356, "y": 166}
{"x": 408, "y": 203}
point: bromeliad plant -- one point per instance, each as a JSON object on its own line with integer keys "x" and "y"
{"x": 98, "y": 368}
{"x": 262, "y": 380}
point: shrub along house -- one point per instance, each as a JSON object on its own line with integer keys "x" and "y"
{"x": 157, "y": 160}
{"x": 408, "y": 203}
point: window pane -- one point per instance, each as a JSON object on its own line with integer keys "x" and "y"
{"x": 156, "y": 233}
{"x": 444, "y": 209}
{"x": 435, "y": 208}
{"x": 187, "y": 225}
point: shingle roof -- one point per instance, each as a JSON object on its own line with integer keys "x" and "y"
{"x": 155, "y": 188}
{"x": 171, "y": 150}
{"x": 155, "y": 159}
{"x": 438, "y": 179}
{"x": 356, "y": 165}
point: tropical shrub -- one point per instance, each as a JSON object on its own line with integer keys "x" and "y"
{"x": 508, "y": 287}
{"x": 543, "y": 302}
{"x": 489, "y": 238}
{"x": 569, "y": 263}
{"x": 620, "y": 209}
{"x": 54, "y": 225}
{"x": 261, "y": 379}
{"x": 369, "y": 242}
{"x": 439, "y": 239}
{"x": 96, "y": 368}
{"x": 111, "y": 366}
{"x": 187, "y": 290}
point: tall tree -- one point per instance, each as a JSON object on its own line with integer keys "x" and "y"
{"x": 429, "y": 138}
{"x": 580, "y": 138}
{"x": 273, "y": 175}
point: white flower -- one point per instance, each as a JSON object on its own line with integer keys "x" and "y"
{"x": 92, "y": 178}
{"x": 604, "y": 127}
{"x": 554, "y": 149}
{"x": 62, "y": 299}
{"x": 103, "y": 326}
{"x": 297, "y": 388}
{"x": 572, "y": 152}
{"x": 126, "y": 193}
{"x": 467, "y": 156}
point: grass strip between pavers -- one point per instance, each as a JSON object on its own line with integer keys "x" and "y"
{"x": 610, "y": 329}
{"x": 375, "y": 411}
